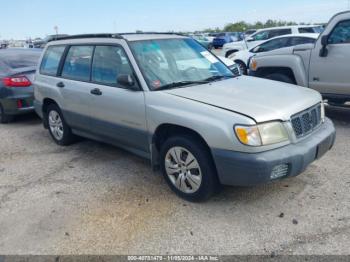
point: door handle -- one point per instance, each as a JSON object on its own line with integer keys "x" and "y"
{"x": 96, "y": 92}
{"x": 60, "y": 84}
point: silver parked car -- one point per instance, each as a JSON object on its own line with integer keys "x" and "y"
{"x": 166, "y": 98}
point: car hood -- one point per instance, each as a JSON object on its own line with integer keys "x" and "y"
{"x": 260, "y": 99}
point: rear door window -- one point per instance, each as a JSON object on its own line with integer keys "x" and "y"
{"x": 51, "y": 60}
{"x": 78, "y": 63}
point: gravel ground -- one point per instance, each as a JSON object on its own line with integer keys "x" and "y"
{"x": 92, "y": 198}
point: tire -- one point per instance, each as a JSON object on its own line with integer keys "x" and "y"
{"x": 60, "y": 132}
{"x": 281, "y": 77}
{"x": 195, "y": 182}
{"x": 4, "y": 118}
{"x": 242, "y": 67}
{"x": 336, "y": 102}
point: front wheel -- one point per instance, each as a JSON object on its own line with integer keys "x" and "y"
{"x": 188, "y": 168}
{"x": 242, "y": 67}
{"x": 58, "y": 128}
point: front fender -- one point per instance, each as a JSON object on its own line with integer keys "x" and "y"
{"x": 213, "y": 124}
{"x": 292, "y": 62}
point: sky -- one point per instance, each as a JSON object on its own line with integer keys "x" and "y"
{"x": 21, "y": 19}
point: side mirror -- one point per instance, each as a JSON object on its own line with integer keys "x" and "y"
{"x": 128, "y": 82}
{"x": 324, "y": 40}
{"x": 324, "y": 43}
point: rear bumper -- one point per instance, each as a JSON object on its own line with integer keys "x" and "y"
{"x": 243, "y": 169}
{"x": 11, "y": 105}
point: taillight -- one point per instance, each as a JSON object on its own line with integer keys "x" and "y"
{"x": 16, "y": 81}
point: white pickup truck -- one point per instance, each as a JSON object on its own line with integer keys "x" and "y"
{"x": 323, "y": 66}
{"x": 268, "y": 33}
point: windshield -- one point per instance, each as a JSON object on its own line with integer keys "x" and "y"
{"x": 167, "y": 62}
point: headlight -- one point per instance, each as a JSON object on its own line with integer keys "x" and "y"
{"x": 263, "y": 134}
{"x": 253, "y": 64}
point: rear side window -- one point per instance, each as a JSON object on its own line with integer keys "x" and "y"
{"x": 316, "y": 29}
{"x": 279, "y": 32}
{"x": 109, "y": 62}
{"x": 51, "y": 60}
{"x": 263, "y": 35}
{"x": 78, "y": 62}
{"x": 341, "y": 33}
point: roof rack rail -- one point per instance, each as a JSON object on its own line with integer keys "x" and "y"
{"x": 117, "y": 36}
{"x": 109, "y": 35}
{"x": 153, "y": 33}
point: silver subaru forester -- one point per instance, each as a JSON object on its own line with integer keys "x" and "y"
{"x": 166, "y": 98}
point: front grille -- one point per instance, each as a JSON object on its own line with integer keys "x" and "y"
{"x": 306, "y": 121}
{"x": 235, "y": 70}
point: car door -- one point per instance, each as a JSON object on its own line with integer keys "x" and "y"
{"x": 74, "y": 86}
{"x": 330, "y": 74}
{"x": 117, "y": 113}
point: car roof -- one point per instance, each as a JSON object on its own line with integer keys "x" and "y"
{"x": 307, "y": 35}
{"x": 287, "y": 27}
{"x": 110, "y": 38}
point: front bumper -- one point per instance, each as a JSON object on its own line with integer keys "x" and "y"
{"x": 244, "y": 169}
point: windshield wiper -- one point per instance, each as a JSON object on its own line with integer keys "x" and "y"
{"x": 181, "y": 84}
{"x": 217, "y": 78}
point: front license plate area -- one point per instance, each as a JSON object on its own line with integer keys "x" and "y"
{"x": 322, "y": 148}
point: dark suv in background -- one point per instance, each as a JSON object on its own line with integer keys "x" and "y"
{"x": 224, "y": 38}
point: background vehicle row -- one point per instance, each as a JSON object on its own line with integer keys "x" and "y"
{"x": 322, "y": 66}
